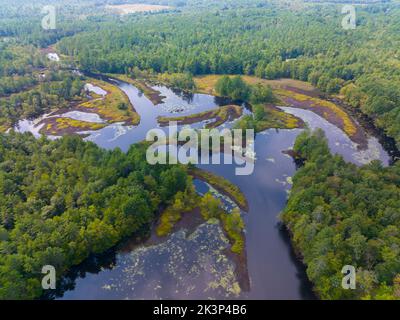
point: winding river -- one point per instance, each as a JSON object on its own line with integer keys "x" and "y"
{"x": 192, "y": 263}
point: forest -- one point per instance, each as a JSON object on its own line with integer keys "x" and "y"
{"x": 260, "y": 38}
{"x": 267, "y": 41}
{"x": 31, "y": 85}
{"x": 340, "y": 214}
{"x": 63, "y": 200}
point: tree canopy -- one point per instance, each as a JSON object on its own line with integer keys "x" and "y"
{"x": 340, "y": 214}
{"x": 62, "y": 200}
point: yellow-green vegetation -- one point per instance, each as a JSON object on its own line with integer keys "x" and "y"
{"x": 206, "y": 84}
{"x": 281, "y": 88}
{"x": 63, "y": 123}
{"x": 110, "y": 107}
{"x": 70, "y": 125}
{"x": 276, "y": 118}
{"x": 183, "y": 81}
{"x": 312, "y": 102}
{"x": 220, "y": 116}
{"x": 232, "y": 223}
{"x": 153, "y": 95}
{"x": 268, "y": 117}
{"x": 283, "y": 93}
{"x": 281, "y": 83}
{"x": 222, "y": 185}
{"x": 210, "y": 208}
{"x": 260, "y": 96}
{"x": 182, "y": 202}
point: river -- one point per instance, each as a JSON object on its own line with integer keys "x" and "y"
{"x": 193, "y": 264}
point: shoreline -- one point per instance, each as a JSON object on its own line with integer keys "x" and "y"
{"x": 190, "y": 221}
{"x": 212, "y": 179}
{"x": 219, "y": 116}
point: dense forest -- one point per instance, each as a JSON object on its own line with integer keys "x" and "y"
{"x": 340, "y": 214}
{"x": 30, "y": 84}
{"x": 263, "y": 40}
{"x": 62, "y": 200}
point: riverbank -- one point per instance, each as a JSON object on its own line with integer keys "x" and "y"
{"x": 114, "y": 106}
{"x": 326, "y": 247}
{"x": 195, "y": 210}
{"x": 298, "y": 94}
{"x": 221, "y": 185}
{"x": 59, "y": 126}
{"x": 217, "y": 117}
{"x": 327, "y": 110}
{"x": 153, "y": 95}
{"x": 108, "y": 102}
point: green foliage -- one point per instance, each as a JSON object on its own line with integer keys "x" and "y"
{"x": 39, "y": 100}
{"x": 234, "y": 226}
{"x": 62, "y": 200}
{"x": 261, "y": 94}
{"x": 182, "y": 81}
{"x": 340, "y": 214}
{"x": 258, "y": 38}
{"x": 233, "y": 87}
{"x": 210, "y": 208}
{"x": 122, "y": 106}
{"x": 259, "y": 113}
{"x": 246, "y": 122}
{"x": 182, "y": 202}
{"x": 267, "y": 117}
{"x": 222, "y": 185}
{"x": 30, "y": 86}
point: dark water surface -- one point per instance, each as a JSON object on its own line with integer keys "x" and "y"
{"x": 195, "y": 265}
